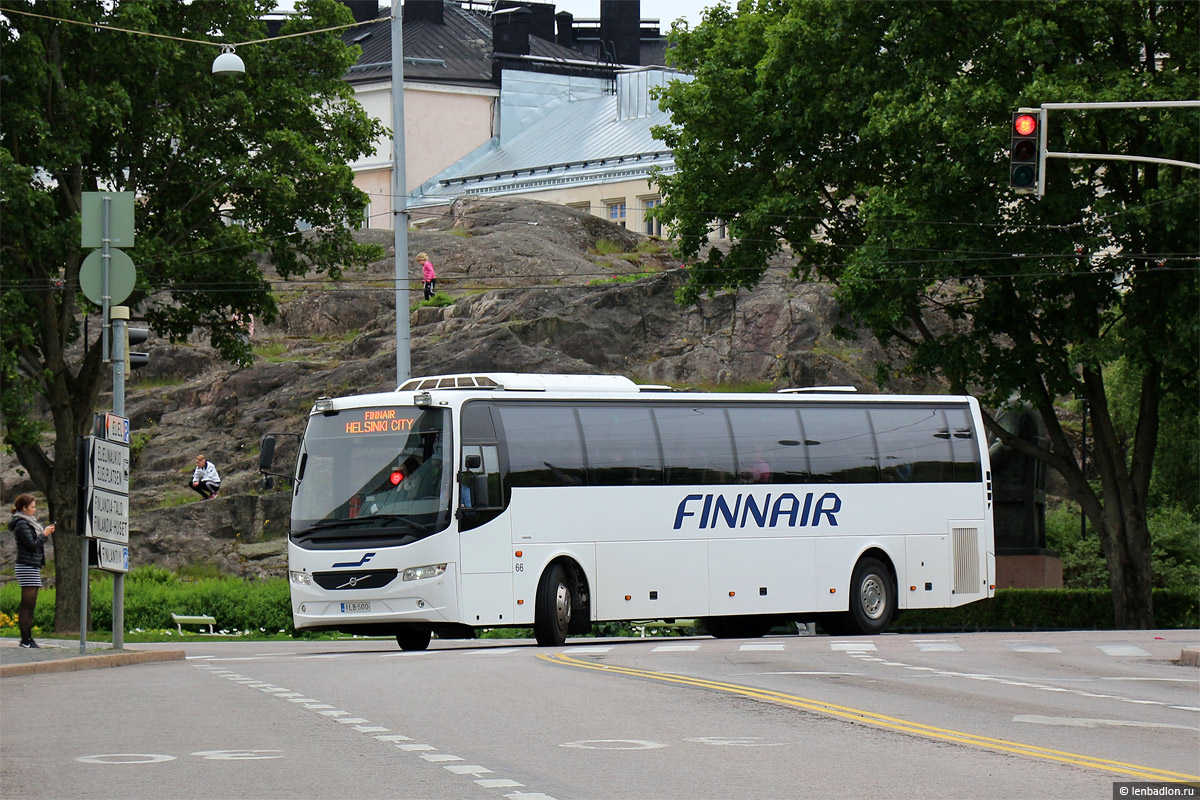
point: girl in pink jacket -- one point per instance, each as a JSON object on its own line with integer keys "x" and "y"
{"x": 427, "y": 274}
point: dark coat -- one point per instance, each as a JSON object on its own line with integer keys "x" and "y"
{"x": 31, "y": 546}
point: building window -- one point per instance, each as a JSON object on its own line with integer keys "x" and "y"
{"x": 653, "y": 227}
{"x": 584, "y": 207}
{"x": 366, "y": 217}
{"x": 616, "y": 212}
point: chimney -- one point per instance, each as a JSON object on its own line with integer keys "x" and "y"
{"x": 541, "y": 16}
{"x": 423, "y": 10}
{"x": 510, "y": 31}
{"x": 363, "y": 10}
{"x": 620, "y": 28}
{"x": 566, "y": 28}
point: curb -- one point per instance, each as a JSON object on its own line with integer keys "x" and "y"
{"x": 91, "y": 662}
{"x": 1190, "y": 657}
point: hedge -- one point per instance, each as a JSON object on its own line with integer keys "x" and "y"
{"x": 1049, "y": 609}
{"x": 152, "y": 595}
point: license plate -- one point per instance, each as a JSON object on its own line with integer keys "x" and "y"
{"x": 354, "y": 608}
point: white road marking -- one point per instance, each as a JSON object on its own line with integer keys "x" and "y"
{"x": 1033, "y": 648}
{"x": 590, "y": 649}
{"x": 360, "y": 724}
{"x": 675, "y": 648}
{"x": 1076, "y": 722}
{"x": 464, "y": 769}
{"x": 848, "y": 647}
{"x": 938, "y": 646}
{"x": 492, "y": 651}
{"x": 738, "y": 674}
{"x": 328, "y": 655}
{"x": 734, "y": 741}
{"x": 125, "y": 758}
{"x": 772, "y": 647}
{"x": 614, "y": 744}
{"x": 1122, "y": 650}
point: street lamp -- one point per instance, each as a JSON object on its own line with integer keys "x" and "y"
{"x": 228, "y": 63}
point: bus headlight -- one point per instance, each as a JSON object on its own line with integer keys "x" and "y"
{"x": 301, "y": 578}
{"x": 418, "y": 573}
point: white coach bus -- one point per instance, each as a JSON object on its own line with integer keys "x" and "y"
{"x": 463, "y": 502}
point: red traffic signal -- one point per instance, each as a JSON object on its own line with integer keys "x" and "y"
{"x": 1024, "y": 153}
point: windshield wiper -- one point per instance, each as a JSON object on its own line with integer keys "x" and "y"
{"x": 382, "y": 519}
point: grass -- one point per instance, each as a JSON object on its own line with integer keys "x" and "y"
{"x": 176, "y": 498}
{"x": 630, "y": 278}
{"x": 606, "y": 247}
{"x": 439, "y": 300}
{"x": 271, "y": 351}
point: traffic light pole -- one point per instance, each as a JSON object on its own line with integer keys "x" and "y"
{"x": 1046, "y": 108}
{"x": 120, "y": 320}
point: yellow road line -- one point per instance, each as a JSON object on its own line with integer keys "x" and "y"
{"x": 883, "y": 721}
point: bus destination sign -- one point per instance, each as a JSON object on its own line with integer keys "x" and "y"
{"x": 377, "y": 420}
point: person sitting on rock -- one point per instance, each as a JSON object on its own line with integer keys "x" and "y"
{"x": 205, "y": 480}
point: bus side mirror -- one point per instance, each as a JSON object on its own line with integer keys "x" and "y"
{"x": 473, "y": 462}
{"x": 267, "y": 455}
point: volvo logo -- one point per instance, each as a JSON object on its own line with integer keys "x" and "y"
{"x": 358, "y": 563}
{"x": 353, "y": 581}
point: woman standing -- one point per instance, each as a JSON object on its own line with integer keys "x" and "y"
{"x": 31, "y": 557}
{"x": 427, "y": 274}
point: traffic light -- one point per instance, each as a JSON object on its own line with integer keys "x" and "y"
{"x": 134, "y": 360}
{"x": 1024, "y": 177}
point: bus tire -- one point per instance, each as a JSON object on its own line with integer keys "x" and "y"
{"x": 552, "y": 613}
{"x": 872, "y": 597}
{"x": 414, "y": 638}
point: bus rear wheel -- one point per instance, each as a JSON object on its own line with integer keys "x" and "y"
{"x": 872, "y": 601}
{"x": 414, "y": 638}
{"x": 552, "y": 613}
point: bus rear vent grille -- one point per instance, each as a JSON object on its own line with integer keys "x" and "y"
{"x": 966, "y": 560}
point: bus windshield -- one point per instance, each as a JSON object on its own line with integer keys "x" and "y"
{"x": 372, "y": 476}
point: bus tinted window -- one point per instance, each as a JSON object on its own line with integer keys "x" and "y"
{"x": 696, "y": 445}
{"x": 966, "y": 449}
{"x": 770, "y": 446}
{"x": 840, "y": 446}
{"x": 622, "y": 445}
{"x": 913, "y": 444}
{"x": 543, "y": 446}
{"x": 477, "y": 423}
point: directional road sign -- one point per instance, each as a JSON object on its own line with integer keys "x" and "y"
{"x": 108, "y": 464}
{"x": 112, "y": 557}
{"x": 107, "y": 517}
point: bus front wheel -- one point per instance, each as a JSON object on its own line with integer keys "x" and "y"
{"x": 414, "y": 638}
{"x": 552, "y": 614}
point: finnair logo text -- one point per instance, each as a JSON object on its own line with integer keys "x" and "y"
{"x": 786, "y": 510}
{"x": 358, "y": 563}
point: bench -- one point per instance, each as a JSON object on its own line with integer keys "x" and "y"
{"x": 193, "y": 619}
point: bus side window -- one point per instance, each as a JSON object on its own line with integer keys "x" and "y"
{"x": 480, "y": 478}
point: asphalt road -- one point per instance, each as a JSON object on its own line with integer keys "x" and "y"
{"x": 1059, "y": 715}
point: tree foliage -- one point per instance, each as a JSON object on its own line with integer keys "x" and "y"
{"x": 224, "y": 169}
{"x": 871, "y": 139}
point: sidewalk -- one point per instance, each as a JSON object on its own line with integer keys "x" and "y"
{"x": 62, "y": 655}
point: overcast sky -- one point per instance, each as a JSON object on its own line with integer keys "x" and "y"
{"x": 665, "y": 11}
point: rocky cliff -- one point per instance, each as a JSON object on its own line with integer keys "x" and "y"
{"x": 536, "y": 288}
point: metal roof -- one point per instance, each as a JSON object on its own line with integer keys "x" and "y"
{"x": 458, "y": 51}
{"x": 557, "y": 130}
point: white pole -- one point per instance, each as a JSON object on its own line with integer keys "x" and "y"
{"x": 399, "y": 198}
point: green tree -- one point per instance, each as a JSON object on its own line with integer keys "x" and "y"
{"x": 223, "y": 169}
{"x": 871, "y": 139}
